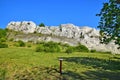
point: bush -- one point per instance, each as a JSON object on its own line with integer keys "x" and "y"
{"x": 28, "y": 45}
{"x": 69, "y": 50}
{"x": 3, "y": 33}
{"x": 81, "y": 48}
{"x": 2, "y": 74}
{"x": 11, "y": 39}
{"x": 21, "y": 43}
{"x": 39, "y": 48}
{"x": 41, "y": 25}
{"x": 2, "y": 39}
{"x": 93, "y": 51}
{"x": 51, "y": 47}
{"x": 48, "y": 47}
{"x": 3, "y": 45}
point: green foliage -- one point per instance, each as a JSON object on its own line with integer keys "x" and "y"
{"x": 48, "y": 47}
{"x": 28, "y": 45}
{"x": 3, "y": 33}
{"x": 69, "y": 50}
{"x": 41, "y": 25}
{"x": 11, "y": 39}
{"x": 3, "y": 45}
{"x": 93, "y": 51}
{"x": 40, "y": 48}
{"x": 110, "y": 22}
{"x": 2, "y": 74}
{"x": 21, "y": 43}
{"x": 57, "y": 47}
{"x": 51, "y": 47}
{"x": 81, "y": 48}
{"x": 3, "y": 39}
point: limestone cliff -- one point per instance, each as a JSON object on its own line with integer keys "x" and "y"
{"x": 66, "y": 33}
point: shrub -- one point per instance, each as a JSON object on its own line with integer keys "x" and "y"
{"x": 81, "y": 48}
{"x": 3, "y": 45}
{"x": 28, "y": 45}
{"x": 11, "y": 39}
{"x": 93, "y": 51}
{"x": 21, "y": 43}
{"x": 39, "y": 48}
{"x": 3, "y": 33}
{"x": 69, "y": 50}
{"x": 51, "y": 47}
{"x": 48, "y": 47}
{"x": 2, "y": 39}
{"x": 2, "y": 74}
{"x": 41, "y": 25}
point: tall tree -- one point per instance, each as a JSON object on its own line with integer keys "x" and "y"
{"x": 110, "y": 22}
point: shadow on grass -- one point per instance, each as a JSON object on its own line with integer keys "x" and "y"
{"x": 101, "y": 75}
{"x": 45, "y": 73}
{"x": 104, "y": 69}
{"x": 95, "y": 62}
{"x": 110, "y": 71}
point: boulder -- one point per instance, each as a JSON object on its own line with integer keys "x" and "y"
{"x": 25, "y": 26}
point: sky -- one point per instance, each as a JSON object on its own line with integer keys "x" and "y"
{"x": 51, "y": 12}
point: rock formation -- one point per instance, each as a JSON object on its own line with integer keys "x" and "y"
{"x": 66, "y": 33}
{"x": 25, "y": 26}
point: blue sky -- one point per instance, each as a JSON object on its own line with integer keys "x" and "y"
{"x": 51, "y": 12}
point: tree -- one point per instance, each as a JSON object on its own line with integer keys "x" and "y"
{"x": 3, "y": 34}
{"x": 41, "y": 25}
{"x": 110, "y": 22}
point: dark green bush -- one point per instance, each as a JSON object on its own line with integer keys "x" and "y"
{"x": 57, "y": 47}
{"x": 81, "y": 48}
{"x": 69, "y": 50}
{"x": 3, "y": 33}
{"x": 11, "y": 39}
{"x": 93, "y": 51}
{"x": 51, "y": 47}
{"x": 41, "y": 25}
{"x": 21, "y": 43}
{"x": 39, "y": 48}
{"x": 2, "y": 74}
{"x": 2, "y": 39}
{"x": 28, "y": 45}
{"x": 3, "y": 45}
{"x": 48, "y": 47}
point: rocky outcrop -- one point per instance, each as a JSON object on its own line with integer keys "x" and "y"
{"x": 25, "y": 26}
{"x": 66, "y": 33}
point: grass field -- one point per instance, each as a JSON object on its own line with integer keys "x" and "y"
{"x": 25, "y": 64}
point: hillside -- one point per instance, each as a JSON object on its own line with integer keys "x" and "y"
{"x": 65, "y": 33}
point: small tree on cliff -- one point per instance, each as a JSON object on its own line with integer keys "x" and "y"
{"x": 41, "y": 25}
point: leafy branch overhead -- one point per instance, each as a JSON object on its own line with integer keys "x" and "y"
{"x": 110, "y": 22}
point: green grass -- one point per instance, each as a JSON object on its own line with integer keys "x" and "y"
{"x": 25, "y": 64}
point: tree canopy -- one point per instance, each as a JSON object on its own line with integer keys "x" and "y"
{"x": 2, "y": 33}
{"x": 41, "y": 25}
{"x": 109, "y": 23}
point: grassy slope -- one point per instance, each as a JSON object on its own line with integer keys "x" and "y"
{"x": 25, "y": 61}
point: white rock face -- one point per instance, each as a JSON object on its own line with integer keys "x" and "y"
{"x": 66, "y": 33}
{"x": 43, "y": 30}
{"x": 25, "y": 26}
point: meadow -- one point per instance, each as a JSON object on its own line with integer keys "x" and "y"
{"x": 24, "y": 63}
